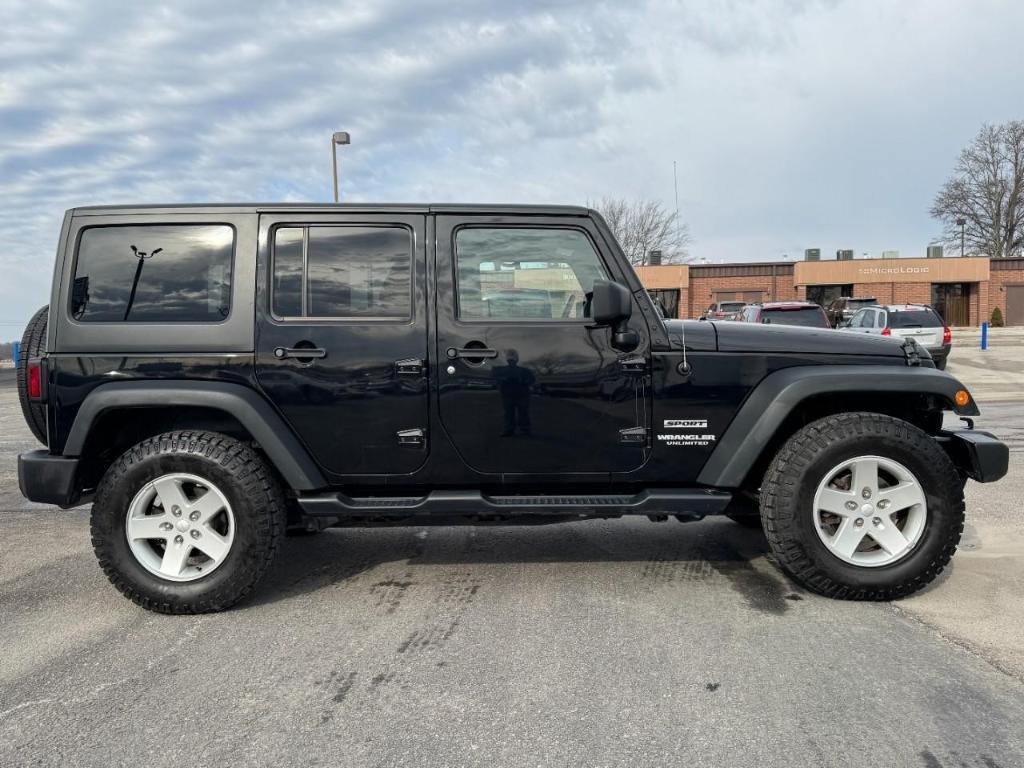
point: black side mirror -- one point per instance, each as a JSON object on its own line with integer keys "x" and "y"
{"x": 611, "y": 304}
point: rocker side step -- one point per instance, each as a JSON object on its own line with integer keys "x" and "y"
{"x": 671, "y": 501}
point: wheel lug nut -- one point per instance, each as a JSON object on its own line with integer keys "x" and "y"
{"x": 877, "y": 521}
{"x": 195, "y": 534}
{"x": 166, "y": 526}
{"x": 851, "y": 505}
{"x": 866, "y": 493}
{"x": 859, "y": 522}
{"x": 883, "y": 503}
{"x": 178, "y": 539}
{"x": 176, "y": 511}
{"x": 194, "y": 515}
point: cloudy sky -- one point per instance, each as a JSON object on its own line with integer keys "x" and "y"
{"x": 794, "y": 124}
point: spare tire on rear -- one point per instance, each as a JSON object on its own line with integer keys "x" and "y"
{"x": 32, "y": 345}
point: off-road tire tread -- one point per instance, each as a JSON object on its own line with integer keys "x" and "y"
{"x": 32, "y": 343}
{"x": 783, "y": 480}
{"x": 261, "y": 489}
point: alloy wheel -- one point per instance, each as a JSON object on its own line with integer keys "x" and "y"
{"x": 180, "y": 527}
{"x": 870, "y": 511}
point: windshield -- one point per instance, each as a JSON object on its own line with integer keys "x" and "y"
{"x": 811, "y": 317}
{"x": 915, "y": 318}
{"x": 731, "y": 306}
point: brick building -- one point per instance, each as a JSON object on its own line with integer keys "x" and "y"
{"x": 963, "y": 290}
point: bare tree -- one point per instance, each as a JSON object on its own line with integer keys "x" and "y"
{"x": 642, "y": 226}
{"x": 987, "y": 194}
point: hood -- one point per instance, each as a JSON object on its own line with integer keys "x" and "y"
{"x": 754, "y": 337}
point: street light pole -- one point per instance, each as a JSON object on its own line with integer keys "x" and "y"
{"x": 339, "y": 137}
{"x": 961, "y": 223}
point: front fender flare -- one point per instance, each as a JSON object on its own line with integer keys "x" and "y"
{"x": 252, "y": 411}
{"x": 775, "y": 397}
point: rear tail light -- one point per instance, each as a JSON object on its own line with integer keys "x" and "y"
{"x": 35, "y": 382}
{"x": 887, "y": 331}
{"x": 947, "y": 336}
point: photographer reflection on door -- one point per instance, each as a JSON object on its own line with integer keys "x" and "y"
{"x": 515, "y": 384}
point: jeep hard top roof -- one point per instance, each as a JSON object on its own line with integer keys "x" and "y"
{"x": 451, "y": 208}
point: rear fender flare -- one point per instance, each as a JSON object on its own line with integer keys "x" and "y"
{"x": 274, "y": 437}
{"x": 778, "y": 394}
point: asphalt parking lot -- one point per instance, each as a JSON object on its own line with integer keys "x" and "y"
{"x": 603, "y": 643}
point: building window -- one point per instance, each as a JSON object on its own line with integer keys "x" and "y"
{"x": 826, "y": 294}
{"x": 667, "y": 299}
{"x": 157, "y": 273}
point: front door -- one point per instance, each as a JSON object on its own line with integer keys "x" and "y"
{"x": 527, "y": 385}
{"x": 342, "y": 336}
{"x": 953, "y": 302}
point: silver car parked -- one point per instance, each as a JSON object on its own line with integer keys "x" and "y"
{"x": 914, "y": 321}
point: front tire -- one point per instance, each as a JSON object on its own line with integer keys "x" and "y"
{"x": 861, "y": 506}
{"x": 187, "y": 522}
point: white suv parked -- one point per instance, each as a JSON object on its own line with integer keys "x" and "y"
{"x": 908, "y": 321}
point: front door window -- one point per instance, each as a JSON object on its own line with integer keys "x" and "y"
{"x": 509, "y": 274}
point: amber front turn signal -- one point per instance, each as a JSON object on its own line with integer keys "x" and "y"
{"x": 961, "y": 397}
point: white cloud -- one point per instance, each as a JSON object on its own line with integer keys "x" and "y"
{"x": 794, "y": 124}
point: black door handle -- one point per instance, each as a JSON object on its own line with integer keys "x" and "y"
{"x": 300, "y": 353}
{"x": 471, "y": 353}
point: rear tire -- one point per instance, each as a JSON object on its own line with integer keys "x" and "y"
{"x": 226, "y": 541}
{"x": 33, "y": 343}
{"x": 941, "y": 364}
{"x": 809, "y": 473}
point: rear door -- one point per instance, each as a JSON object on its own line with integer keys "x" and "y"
{"x": 341, "y": 343}
{"x": 527, "y": 384}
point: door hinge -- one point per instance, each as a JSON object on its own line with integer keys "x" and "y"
{"x": 409, "y": 367}
{"x": 633, "y": 435}
{"x": 412, "y": 437}
{"x": 911, "y": 352}
{"x": 633, "y": 364}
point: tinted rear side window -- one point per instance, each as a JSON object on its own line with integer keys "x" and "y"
{"x": 160, "y": 273}
{"x": 915, "y": 318}
{"x": 343, "y": 272}
{"x": 811, "y": 317}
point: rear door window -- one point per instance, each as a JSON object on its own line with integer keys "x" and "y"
{"x": 154, "y": 273}
{"x": 808, "y": 317}
{"x": 914, "y": 318}
{"x": 342, "y": 272}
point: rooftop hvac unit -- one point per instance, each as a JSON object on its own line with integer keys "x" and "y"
{"x": 654, "y": 259}
{"x": 934, "y": 251}
{"x": 845, "y": 254}
{"x": 812, "y": 254}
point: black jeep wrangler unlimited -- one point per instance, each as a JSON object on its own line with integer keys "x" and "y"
{"x": 212, "y": 376}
